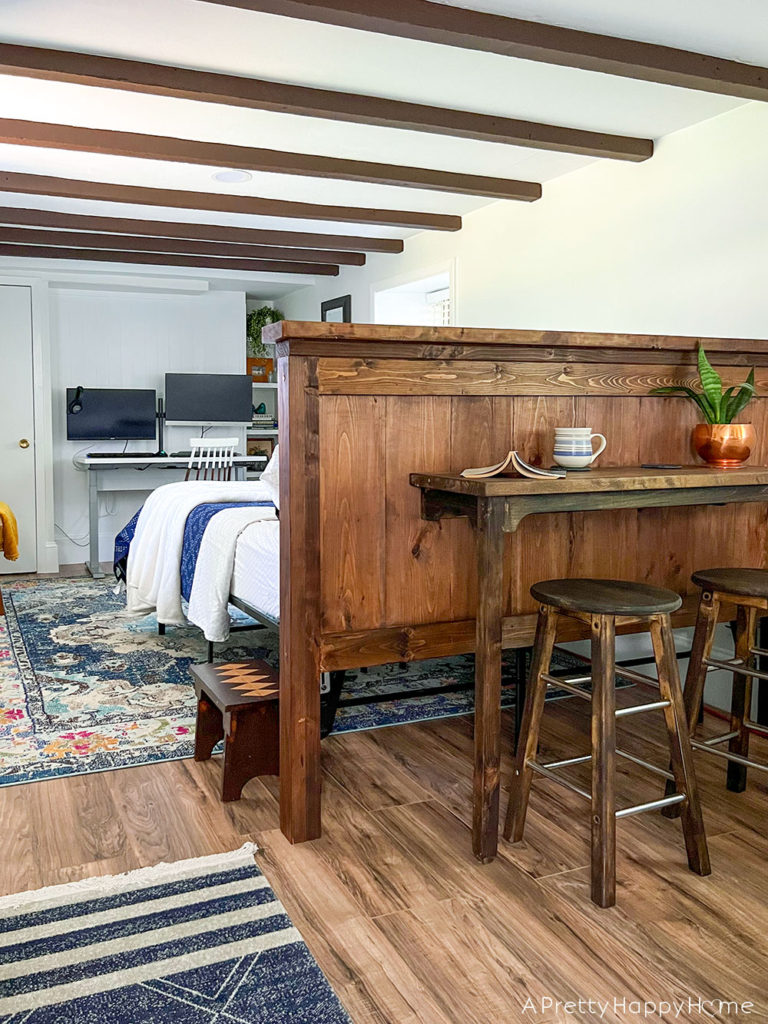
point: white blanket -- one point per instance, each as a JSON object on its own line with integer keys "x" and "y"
{"x": 212, "y": 582}
{"x": 154, "y": 560}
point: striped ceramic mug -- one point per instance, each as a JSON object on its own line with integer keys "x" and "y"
{"x": 573, "y": 447}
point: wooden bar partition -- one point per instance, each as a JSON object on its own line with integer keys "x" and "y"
{"x": 365, "y": 580}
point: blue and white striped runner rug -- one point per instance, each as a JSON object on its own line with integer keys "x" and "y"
{"x": 201, "y": 941}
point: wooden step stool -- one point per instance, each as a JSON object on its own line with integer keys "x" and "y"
{"x": 238, "y": 702}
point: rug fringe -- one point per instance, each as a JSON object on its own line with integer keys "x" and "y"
{"x": 104, "y": 885}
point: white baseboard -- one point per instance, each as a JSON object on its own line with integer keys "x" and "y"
{"x": 48, "y": 557}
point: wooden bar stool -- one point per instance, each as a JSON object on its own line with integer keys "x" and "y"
{"x": 748, "y": 590}
{"x": 602, "y": 604}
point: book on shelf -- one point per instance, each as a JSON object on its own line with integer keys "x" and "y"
{"x": 513, "y": 465}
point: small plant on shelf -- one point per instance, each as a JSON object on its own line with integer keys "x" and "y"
{"x": 718, "y": 440}
{"x": 718, "y": 405}
{"x": 254, "y": 322}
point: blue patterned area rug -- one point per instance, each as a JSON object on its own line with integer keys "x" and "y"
{"x": 83, "y": 688}
{"x": 196, "y": 942}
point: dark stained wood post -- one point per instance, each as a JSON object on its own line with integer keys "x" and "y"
{"x": 490, "y": 572}
{"x": 299, "y": 598}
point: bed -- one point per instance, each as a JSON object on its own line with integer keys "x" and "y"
{"x": 256, "y": 573}
{"x": 188, "y": 542}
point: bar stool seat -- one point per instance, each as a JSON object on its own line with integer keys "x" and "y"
{"x": 600, "y": 604}
{"x": 744, "y": 582}
{"x": 606, "y": 597}
{"x": 748, "y": 590}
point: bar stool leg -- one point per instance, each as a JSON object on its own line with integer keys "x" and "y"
{"x": 741, "y": 697}
{"x": 603, "y": 760}
{"x": 521, "y": 658}
{"x": 696, "y": 676}
{"x": 528, "y": 740}
{"x": 703, "y": 638}
{"x": 680, "y": 745}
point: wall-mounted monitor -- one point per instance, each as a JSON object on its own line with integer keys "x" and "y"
{"x": 111, "y": 414}
{"x": 209, "y": 397}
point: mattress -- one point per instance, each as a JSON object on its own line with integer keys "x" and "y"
{"x": 194, "y": 530}
{"x": 256, "y": 576}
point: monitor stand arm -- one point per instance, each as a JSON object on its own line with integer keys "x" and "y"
{"x": 160, "y": 428}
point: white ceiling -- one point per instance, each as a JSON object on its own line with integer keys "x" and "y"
{"x": 196, "y": 34}
{"x": 737, "y": 29}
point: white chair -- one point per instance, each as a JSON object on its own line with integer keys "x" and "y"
{"x": 211, "y": 459}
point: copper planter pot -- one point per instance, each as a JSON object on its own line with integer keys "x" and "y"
{"x": 724, "y": 445}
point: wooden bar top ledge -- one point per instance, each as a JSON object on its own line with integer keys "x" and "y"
{"x": 631, "y": 478}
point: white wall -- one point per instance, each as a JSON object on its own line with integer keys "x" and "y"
{"x": 116, "y": 339}
{"x": 678, "y": 244}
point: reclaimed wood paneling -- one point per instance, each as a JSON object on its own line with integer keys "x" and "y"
{"x": 417, "y": 586}
{"x": 472, "y": 443}
{"x": 446, "y": 377}
{"x": 384, "y": 566}
{"x": 352, "y": 512}
{"x": 541, "y": 547}
{"x": 605, "y": 543}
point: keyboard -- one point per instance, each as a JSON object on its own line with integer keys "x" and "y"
{"x": 121, "y": 455}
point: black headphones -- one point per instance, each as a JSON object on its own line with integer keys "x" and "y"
{"x": 76, "y": 406}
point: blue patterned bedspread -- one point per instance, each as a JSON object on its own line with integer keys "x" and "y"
{"x": 194, "y": 528}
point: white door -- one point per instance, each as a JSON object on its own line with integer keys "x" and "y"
{"x": 17, "y": 422}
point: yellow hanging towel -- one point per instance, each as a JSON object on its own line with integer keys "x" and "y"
{"x": 9, "y": 533}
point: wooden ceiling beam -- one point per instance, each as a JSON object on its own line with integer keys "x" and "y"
{"x": 203, "y": 232}
{"x": 70, "y": 188}
{"x": 216, "y": 154}
{"x": 259, "y": 94}
{"x": 52, "y": 252}
{"x": 192, "y": 247}
{"x": 527, "y": 40}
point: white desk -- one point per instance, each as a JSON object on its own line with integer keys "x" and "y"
{"x": 147, "y": 474}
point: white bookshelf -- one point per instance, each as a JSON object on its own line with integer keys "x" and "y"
{"x": 263, "y": 391}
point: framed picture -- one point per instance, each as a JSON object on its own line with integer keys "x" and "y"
{"x": 260, "y": 446}
{"x": 337, "y": 311}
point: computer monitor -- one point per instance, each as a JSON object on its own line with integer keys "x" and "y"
{"x": 209, "y": 397}
{"x": 111, "y": 414}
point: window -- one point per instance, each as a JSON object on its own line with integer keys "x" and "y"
{"x": 422, "y": 303}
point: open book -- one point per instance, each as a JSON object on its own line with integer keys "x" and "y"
{"x": 511, "y": 465}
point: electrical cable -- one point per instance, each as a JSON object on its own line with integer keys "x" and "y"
{"x": 78, "y": 543}
{"x": 78, "y": 453}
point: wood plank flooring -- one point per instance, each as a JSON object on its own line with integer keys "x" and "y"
{"x": 407, "y": 925}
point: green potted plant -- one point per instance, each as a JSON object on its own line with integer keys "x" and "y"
{"x": 718, "y": 440}
{"x": 258, "y": 362}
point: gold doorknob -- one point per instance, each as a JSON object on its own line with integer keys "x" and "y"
{"x": 23, "y": 443}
